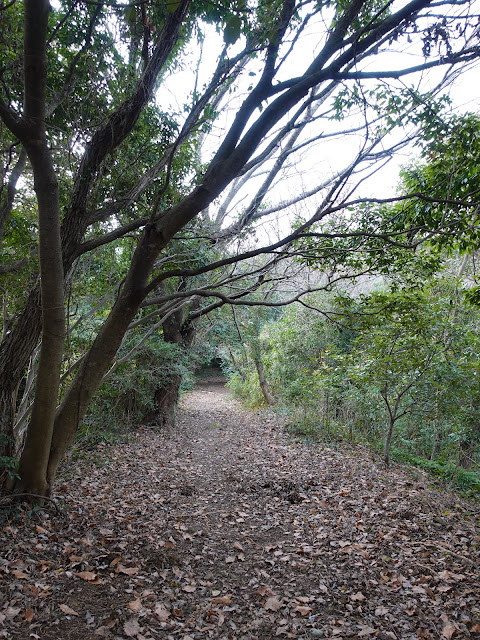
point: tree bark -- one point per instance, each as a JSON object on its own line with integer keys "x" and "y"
{"x": 34, "y": 459}
{"x": 177, "y": 329}
{"x": 165, "y": 401}
{"x": 102, "y": 352}
{"x": 388, "y": 441}
{"x": 262, "y": 379}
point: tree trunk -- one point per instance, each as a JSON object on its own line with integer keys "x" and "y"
{"x": 17, "y": 349}
{"x": 34, "y": 459}
{"x": 165, "y": 403}
{"x": 388, "y": 441}
{"x": 466, "y": 454}
{"x": 100, "y": 355}
{"x": 262, "y": 380}
{"x": 176, "y": 330}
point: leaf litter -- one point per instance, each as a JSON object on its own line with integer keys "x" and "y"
{"x": 239, "y": 532}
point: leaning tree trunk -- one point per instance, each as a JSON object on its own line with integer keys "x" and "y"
{"x": 103, "y": 350}
{"x": 32, "y": 132}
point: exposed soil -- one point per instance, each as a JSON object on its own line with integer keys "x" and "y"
{"x": 227, "y": 529}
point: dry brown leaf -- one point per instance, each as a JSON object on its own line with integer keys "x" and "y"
{"x": 88, "y": 576}
{"x": 29, "y": 615}
{"x": 222, "y": 599}
{"x": 449, "y": 629}
{"x": 303, "y": 610}
{"x": 237, "y": 546}
{"x": 161, "y": 612}
{"x": 19, "y": 574}
{"x": 230, "y": 559}
{"x": 115, "y": 561}
{"x": 358, "y": 597}
{"x": 381, "y": 611}
{"x": 272, "y": 604}
{"x": 281, "y": 631}
{"x": 128, "y": 571}
{"x": 40, "y": 529}
{"x": 189, "y": 588}
{"x": 11, "y": 612}
{"x": 131, "y": 628}
{"x": 366, "y": 631}
{"x": 135, "y": 605}
{"x": 67, "y": 610}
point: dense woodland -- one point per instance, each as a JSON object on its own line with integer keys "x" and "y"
{"x": 190, "y": 180}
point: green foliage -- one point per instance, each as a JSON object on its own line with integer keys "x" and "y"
{"x": 414, "y": 353}
{"x": 8, "y": 464}
{"x": 450, "y": 174}
{"x": 468, "y": 482}
{"x": 245, "y": 387}
{"x": 128, "y": 394}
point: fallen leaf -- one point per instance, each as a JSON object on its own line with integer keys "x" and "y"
{"x": 222, "y": 599}
{"x": 131, "y": 628}
{"x": 20, "y": 575}
{"x": 115, "y": 561}
{"x": 357, "y": 597}
{"x": 272, "y": 604}
{"x": 88, "y": 576}
{"x": 449, "y": 629}
{"x": 67, "y": 610}
{"x": 189, "y": 588}
{"x": 40, "y": 529}
{"x": 230, "y": 559}
{"x": 366, "y": 631}
{"x": 129, "y": 571}
{"x": 381, "y": 611}
{"x": 302, "y": 609}
{"x": 135, "y": 605}
{"x": 161, "y": 612}
{"x": 28, "y": 615}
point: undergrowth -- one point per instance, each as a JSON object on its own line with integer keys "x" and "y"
{"x": 335, "y": 435}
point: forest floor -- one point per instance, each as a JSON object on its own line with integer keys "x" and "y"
{"x": 227, "y": 528}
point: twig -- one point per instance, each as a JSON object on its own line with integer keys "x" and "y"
{"x": 14, "y": 496}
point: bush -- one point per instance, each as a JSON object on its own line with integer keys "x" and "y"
{"x": 247, "y": 389}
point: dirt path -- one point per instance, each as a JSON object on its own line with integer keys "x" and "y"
{"x": 227, "y": 529}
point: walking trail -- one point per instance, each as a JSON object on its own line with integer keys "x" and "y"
{"x": 227, "y": 528}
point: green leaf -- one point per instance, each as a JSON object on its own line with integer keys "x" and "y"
{"x": 130, "y": 15}
{"x": 173, "y": 5}
{"x": 232, "y": 30}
